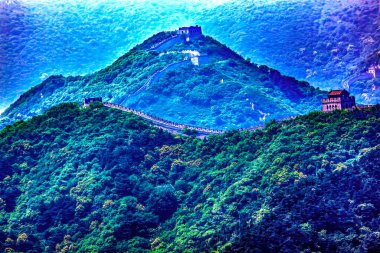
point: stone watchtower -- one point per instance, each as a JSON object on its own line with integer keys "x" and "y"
{"x": 338, "y": 100}
{"x": 88, "y": 101}
{"x": 191, "y": 31}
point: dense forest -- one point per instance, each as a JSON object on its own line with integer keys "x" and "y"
{"x": 243, "y": 94}
{"x": 100, "y": 180}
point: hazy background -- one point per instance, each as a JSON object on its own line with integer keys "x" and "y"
{"x": 321, "y": 41}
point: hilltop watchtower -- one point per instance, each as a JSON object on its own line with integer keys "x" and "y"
{"x": 88, "y": 101}
{"x": 191, "y": 31}
{"x": 338, "y": 100}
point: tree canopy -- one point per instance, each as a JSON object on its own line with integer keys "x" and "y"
{"x": 101, "y": 180}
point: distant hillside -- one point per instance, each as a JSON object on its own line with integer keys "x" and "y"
{"x": 320, "y": 41}
{"x": 101, "y": 180}
{"x": 360, "y": 83}
{"x": 373, "y": 59}
{"x": 225, "y": 91}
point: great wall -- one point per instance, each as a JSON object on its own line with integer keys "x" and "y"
{"x": 153, "y": 77}
{"x": 177, "y": 128}
{"x": 164, "y": 43}
{"x": 170, "y": 126}
{"x": 156, "y": 121}
{"x": 373, "y": 72}
{"x": 200, "y": 132}
{"x": 174, "y": 127}
{"x": 194, "y": 57}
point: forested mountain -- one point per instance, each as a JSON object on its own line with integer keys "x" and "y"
{"x": 100, "y": 180}
{"x": 224, "y": 91}
{"x": 92, "y": 178}
{"x": 319, "y": 41}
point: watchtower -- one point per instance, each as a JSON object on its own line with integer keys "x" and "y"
{"x": 88, "y": 101}
{"x": 338, "y": 100}
{"x": 191, "y": 31}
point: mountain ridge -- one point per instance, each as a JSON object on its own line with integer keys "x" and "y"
{"x": 254, "y": 92}
{"x": 279, "y": 34}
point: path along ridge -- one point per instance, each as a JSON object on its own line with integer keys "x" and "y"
{"x": 152, "y": 77}
{"x": 178, "y": 128}
{"x": 162, "y": 123}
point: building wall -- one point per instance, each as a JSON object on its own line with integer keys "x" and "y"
{"x": 338, "y": 103}
{"x": 331, "y": 105}
{"x": 183, "y": 31}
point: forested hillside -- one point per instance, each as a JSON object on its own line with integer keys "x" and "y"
{"x": 224, "y": 92}
{"x": 100, "y": 180}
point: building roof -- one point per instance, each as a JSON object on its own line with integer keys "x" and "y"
{"x": 337, "y": 92}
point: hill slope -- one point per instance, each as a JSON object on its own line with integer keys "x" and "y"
{"x": 321, "y": 41}
{"x": 225, "y": 91}
{"x": 97, "y": 179}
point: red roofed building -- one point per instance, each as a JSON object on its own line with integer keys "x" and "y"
{"x": 338, "y": 100}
